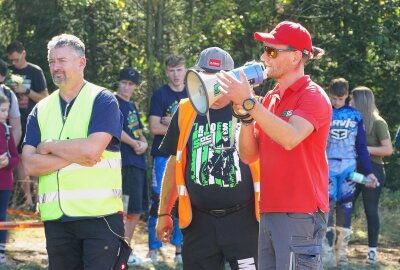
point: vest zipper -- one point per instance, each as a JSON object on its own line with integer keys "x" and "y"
{"x": 65, "y": 113}
{"x": 64, "y": 118}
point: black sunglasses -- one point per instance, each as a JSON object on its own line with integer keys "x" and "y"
{"x": 273, "y": 52}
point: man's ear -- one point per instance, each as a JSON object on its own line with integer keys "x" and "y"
{"x": 297, "y": 56}
{"x": 82, "y": 62}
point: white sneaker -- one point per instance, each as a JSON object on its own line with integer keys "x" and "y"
{"x": 3, "y": 258}
{"x": 153, "y": 253}
{"x": 135, "y": 259}
{"x": 178, "y": 258}
{"x": 372, "y": 257}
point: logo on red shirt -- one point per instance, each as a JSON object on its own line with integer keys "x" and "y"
{"x": 287, "y": 113}
{"x": 214, "y": 62}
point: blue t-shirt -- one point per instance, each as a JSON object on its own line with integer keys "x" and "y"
{"x": 133, "y": 127}
{"x": 164, "y": 102}
{"x": 106, "y": 117}
{"x": 347, "y": 139}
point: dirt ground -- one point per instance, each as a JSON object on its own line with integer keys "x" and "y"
{"x": 26, "y": 250}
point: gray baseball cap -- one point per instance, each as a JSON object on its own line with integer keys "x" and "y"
{"x": 215, "y": 59}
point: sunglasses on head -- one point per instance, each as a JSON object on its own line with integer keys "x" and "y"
{"x": 273, "y": 52}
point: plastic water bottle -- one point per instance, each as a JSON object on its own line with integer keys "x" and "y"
{"x": 360, "y": 178}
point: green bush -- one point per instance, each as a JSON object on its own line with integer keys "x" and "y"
{"x": 389, "y": 213}
{"x": 392, "y": 168}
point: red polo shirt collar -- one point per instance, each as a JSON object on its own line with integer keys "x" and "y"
{"x": 296, "y": 86}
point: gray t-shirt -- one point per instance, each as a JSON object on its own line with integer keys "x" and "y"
{"x": 14, "y": 109}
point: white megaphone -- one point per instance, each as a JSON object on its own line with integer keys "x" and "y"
{"x": 203, "y": 89}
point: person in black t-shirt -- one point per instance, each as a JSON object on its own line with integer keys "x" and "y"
{"x": 223, "y": 226}
{"x": 33, "y": 89}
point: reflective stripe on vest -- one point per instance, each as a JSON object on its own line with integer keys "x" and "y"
{"x": 80, "y": 194}
{"x": 178, "y": 155}
{"x": 186, "y": 120}
{"x": 182, "y": 191}
{"x": 77, "y": 191}
{"x": 256, "y": 186}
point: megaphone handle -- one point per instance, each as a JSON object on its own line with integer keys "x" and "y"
{"x": 239, "y": 116}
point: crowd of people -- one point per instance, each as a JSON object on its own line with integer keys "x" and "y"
{"x": 217, "y": 180}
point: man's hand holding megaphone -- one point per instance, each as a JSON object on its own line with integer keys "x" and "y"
{"x": 204, "y": 88}
{"x": 239, "y": 92}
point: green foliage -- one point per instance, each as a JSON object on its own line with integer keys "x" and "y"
{"x": 390, "y": 199}
{"x": 361, "y": 39}
{"x": 388, "y": 211}
{"x": 392, "y": 172}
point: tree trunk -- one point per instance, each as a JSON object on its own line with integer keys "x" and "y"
{"x": 149, "y": 47}
{"x": 91, "y": 42}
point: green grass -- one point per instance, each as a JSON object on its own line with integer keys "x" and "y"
{"x": 23, "y": 267}
{"x": 389, "y": 217}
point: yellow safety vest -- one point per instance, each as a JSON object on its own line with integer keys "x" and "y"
{"x": 76, "y": 190}
{"x": 187, "y": 115}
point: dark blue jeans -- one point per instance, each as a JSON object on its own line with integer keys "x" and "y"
{"x": 4, "y": 199}
{"x": 370, "y": 198}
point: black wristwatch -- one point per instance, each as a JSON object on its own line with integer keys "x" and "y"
{"x": 249, "y": 103}
{"x": 27, "y": 91}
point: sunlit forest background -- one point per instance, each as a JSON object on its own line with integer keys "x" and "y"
{"x": 361, "y": 39}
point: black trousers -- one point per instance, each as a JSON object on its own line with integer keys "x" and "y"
{"x": 85, "y": 244}
{"x": 370, "y": 197}
{"x": 211, "y": 241}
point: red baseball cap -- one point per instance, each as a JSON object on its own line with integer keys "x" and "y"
{"x": 288, "y": 33}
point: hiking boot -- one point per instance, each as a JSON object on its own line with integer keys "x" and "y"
{"x": 328, "y": 248}
{"x": 135, "y": 259}
{"x": 372, "y": 257}
{"x": 343, "y": 236}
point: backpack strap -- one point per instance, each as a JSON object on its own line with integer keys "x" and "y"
{"x": 7, "y": 131}
{"x": 8, "y": 136}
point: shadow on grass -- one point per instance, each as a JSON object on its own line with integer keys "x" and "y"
{"x": 356, "y": 266}
{"x": 22, "y": 267}
{"x": 160, "y": 266}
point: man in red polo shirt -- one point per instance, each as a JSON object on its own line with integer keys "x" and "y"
{"x": 289, "y": 136}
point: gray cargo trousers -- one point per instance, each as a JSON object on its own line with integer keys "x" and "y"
{"x": 291, "y": 241}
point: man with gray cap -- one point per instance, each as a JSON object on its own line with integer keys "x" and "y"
{"x": 219, "y": 221}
